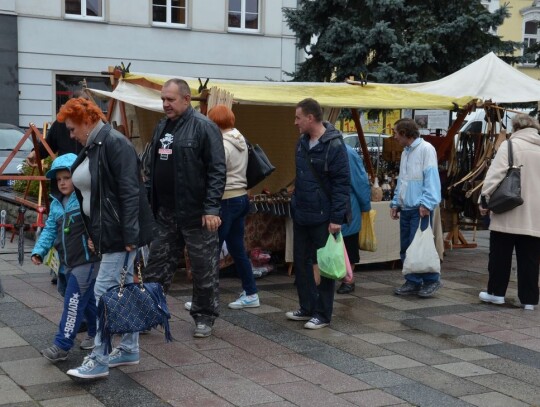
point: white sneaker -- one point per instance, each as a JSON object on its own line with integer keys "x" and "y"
{"x": 485, "y": 297}
{"x": 187, "y": 305}
{"x": 528, "y": 307}
{"x": 246, "y": 301}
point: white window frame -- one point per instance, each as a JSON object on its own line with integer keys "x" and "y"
{"x": 169, "y": 14}
{"x": 83, "y": 15}
{"x": 242, "y": 27}
{"x": 530, "y": 14}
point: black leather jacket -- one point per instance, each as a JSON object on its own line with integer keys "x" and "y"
{"x": 200, "y": 169}
{"x": 119, "y": 211}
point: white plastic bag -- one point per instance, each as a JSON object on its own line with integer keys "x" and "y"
{"x": 421, "y": 256}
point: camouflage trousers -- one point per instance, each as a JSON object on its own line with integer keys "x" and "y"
{"x": 202, "y": 246}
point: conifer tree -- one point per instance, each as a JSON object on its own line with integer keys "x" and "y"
{"x": 393, "y": 41}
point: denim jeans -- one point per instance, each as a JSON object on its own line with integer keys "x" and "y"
{"x": 315, "y": 300}
{"x": 233, "y": 214}
{"x": 408, "y": 225}
{"x": 109, "y": 276}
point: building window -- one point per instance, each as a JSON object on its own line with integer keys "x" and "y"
{"x": 92, "y": 9}
{"x": 169, "y": 12}
{"x": 244, "y": 15}
{"x": 530, "y": 38}
{"x": 68, "y": 86}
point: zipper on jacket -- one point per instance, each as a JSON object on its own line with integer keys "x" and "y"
{"x": 85, "y": 246}
{"x": 114, "y": 211}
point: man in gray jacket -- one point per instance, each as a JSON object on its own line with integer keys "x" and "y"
{"x": 187, "y": 174}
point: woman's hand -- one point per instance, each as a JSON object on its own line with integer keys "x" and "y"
{"x": 91, "y": 245}
{"x": 483, "y": 211}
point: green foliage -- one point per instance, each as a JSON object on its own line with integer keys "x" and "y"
{"x": 394, "y": 41}
{"x": 20, "y": 185}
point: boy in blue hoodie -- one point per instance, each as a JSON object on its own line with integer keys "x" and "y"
{"x": 65, "y": 230}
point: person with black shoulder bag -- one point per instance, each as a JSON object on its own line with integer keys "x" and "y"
{"x": 510, "y": 194}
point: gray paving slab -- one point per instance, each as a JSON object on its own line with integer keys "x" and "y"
{"x": 10, "y": 339}
{"x": 72, "y": 401}
{"x": 18, "y": 353}
{"x": 11, "y": 392}
{"x": 59, "y": 390}
{"x": 421, "y": 395}
{"x": 493, "y": 399}
{"x": 383, "y": 378}
{"x": 434, "y": 328}
{"x": 510, "y": 387}
{"x": 442, "y": 381}
{"x": 519, "y": 371}
{"x": 33, "y": 371}
{"x": 342, "y": 361}
{"x": 515, "y": 353}
{"x": 419, "y": 353}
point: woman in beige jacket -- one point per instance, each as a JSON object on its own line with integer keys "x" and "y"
{"x": 518, "y": 228}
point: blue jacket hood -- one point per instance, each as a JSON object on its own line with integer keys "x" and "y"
{"x": 63, "y": 162}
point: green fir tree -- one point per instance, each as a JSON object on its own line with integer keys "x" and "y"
{"x": 393, "y": 41}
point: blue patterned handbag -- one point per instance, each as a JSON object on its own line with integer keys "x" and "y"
{"x": 132, "y": 307}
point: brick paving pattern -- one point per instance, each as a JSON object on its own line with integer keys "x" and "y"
{"x": 380, "y": 350}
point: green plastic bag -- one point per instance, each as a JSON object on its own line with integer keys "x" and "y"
{"x": 331, "y": 258}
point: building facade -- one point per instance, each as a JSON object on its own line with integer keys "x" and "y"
{"x": 522, "y": 26}
{"x": 59, "y": 43}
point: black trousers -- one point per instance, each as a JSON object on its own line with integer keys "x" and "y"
{"x": 501, "y": 247}
{"x": 315, "y": 300}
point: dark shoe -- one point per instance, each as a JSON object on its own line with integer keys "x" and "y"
{"x": 315, "y": 323}
{"x": 54, "y": 354}
{"x": 428, "y": 290}
{"x": 298, "y": 315}
{"x": 88, "y": 343}
{"x": 202, "y": 330}
{"x": 345, "y": 288}
{"x": 408, "y": 289}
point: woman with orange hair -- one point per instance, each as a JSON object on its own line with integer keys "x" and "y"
{"x": 235, "y": 204}
{"x": 107, "y": 183}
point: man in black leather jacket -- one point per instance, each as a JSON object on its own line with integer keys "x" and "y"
{"x": 186, "y": 180}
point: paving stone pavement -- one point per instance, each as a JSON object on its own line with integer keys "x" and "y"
{"x": 380, "y": 350}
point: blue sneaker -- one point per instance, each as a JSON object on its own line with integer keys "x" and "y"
{"x": 120, "y": 357}
{"x": 246, "y": 301}
{"x": 90, "y": 369}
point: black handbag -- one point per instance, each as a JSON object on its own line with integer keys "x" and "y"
{"x": 507, "y": 196}
{"x": 259, "y": 166}
{"x": 132, "y": 307}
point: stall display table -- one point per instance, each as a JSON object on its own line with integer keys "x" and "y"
{"x": 387, "y": 232}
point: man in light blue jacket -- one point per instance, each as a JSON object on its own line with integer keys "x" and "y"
{"x": 417, "y": 193}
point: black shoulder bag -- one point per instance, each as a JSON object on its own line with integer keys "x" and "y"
{"x": 507, "y": 196}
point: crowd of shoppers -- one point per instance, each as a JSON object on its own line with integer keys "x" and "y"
{"x": 194, "y": 195}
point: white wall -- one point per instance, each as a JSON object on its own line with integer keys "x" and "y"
{"x": 49, "y": 45}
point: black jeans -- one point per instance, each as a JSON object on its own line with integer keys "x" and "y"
{"x": 501, "y": 247}
{"x": 316, "y": 301}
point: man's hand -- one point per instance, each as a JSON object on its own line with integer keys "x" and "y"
{"x": 334, "y": 228}
{"x": 31, "y": 159}
{"x": 394, "y": 213}
{"x": 211, "y": 222}
{"x": 423, "y": 211}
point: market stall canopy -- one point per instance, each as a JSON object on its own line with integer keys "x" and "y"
{"x": 488, "y": 78}
{"x": 142, "y": 90}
